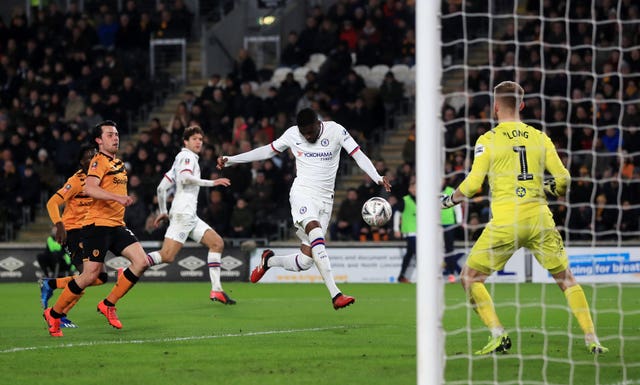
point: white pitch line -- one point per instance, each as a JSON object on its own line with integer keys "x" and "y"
{"x": 176, "y": 339}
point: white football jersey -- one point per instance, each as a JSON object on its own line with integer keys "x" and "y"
{"x": 185, "y": 199}
{"x": 316, "y": 163}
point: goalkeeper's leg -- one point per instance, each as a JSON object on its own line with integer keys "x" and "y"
{"x": 473, "y": 284}
{"x": 580, "y": 308}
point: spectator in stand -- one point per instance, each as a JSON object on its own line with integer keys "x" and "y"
{"x": 146, "y": 29}
{"x": 129, "y": 95}
{"x": 242, "y": 219}
{"x": 107, "y": 31}
{"x": 261, "y": 196}
{"x": 605, "y": 218}
{"x": 126, "y": 38}
{"x": 217, "y": 213}
{"x": 289, "y": 94}
{"x": 349, "y": 35}
{"x": 409, "y": 148}
{"x": 293, "y": 55}
{"x": 247, "y": 105}
{"x": 135, "y": 215}
{"x": 168, "y": 28}
{"x": 335, "y": 67}
{"x": 212, "y": 84}
{"x": 326, "y": 37}
{"x": 244, "y": 68}
{"x": 366, "y": 52}
{"x": 9, "y": 185}
{"x": 183, "y": 17}
{"x": 351, "y": 86}
{"x": 45, "y": 168}
{"x": 392, "y": 94}
{"x": 29, "y": 191}
{"x": 308, "y": 36}
{"x": 348, "y": 219}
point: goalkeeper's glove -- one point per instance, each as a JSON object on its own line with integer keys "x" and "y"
{"x": 446, "y": 201}
{"x": 550, "y": 186}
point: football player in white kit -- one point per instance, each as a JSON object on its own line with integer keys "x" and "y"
{"x": 316, "y": 146}
{"x": 183, "y": 219}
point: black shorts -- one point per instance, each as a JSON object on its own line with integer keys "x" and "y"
{"x": 74, "y": 247}
{"x": 97, "y": 240}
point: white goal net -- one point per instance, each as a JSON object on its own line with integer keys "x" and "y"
{"x": 579, "y": 64}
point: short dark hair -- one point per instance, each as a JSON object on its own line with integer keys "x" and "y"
{"x": 97, "y": 129}
{"x": 306, "y": 117}
{"x": 84, "y": 149}
{"x": 191, "y": 131}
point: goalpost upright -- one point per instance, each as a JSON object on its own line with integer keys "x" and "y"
{"x": 430, "y": 340}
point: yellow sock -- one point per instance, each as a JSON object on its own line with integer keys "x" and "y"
{"x": 580, "y": 308}
{"x": 483, "y": 305}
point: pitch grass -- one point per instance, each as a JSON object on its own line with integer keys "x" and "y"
{"x": 290, "y": 334}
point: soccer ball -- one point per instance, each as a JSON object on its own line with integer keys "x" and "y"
{"x": 376, "y": 211}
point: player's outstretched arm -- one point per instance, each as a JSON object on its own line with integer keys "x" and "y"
{"x": 367, "y": 166}
{"x": 264, "y": 152}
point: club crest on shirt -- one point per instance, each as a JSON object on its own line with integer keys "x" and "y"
{"x": 324, "y": 142}
{"x": 186, "y": 161}
{"x": 94, "y": 165}
{"x": 303, "y": 209}
{"x": 479, "y": 150}
{"x": 67, "y": 187}
{"x": 521, "y": 191}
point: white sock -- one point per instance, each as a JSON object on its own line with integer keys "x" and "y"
{"x": 497, "y": 332}
{"x": 291, "y": 262}
{"x": 213, "y": 261}
{"x": 154, "y": 258}
{"x": 321, "y": 258}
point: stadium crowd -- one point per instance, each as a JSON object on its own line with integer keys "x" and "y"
{"x": 55, "y": 89}
{"x": 581, "y": 82}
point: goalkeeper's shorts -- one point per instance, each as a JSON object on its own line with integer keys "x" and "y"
{"x": 498, "y": 243}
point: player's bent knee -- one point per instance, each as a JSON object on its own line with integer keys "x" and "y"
{"x": 304, "y": 262}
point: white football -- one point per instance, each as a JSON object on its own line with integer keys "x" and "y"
{"x": 376, "y": 211}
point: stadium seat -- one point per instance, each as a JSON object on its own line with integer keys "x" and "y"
{"x": 401, "y": 71}
{"x": 300, "y": 73}
{"x": 374, "y": 80}
{"x": 362, "y": 70}
{"x": 318, "y": 58}
{"x": 279, "y": 74}
{"x": 380, "y": 69}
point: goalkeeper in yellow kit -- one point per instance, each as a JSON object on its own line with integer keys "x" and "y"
{"x": 515, "y": 156}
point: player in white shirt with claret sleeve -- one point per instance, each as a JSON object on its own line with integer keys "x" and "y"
{"x": 184, "y": 223}
{"x": 316, "y": 146}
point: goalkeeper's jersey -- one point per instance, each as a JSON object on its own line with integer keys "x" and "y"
{"x": 514, "y": 157}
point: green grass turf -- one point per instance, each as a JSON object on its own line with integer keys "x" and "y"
{"x": 290, "y": 334}
{"x": 173, "y": 334}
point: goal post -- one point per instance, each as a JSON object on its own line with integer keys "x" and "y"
{"x": 428, "y": 163}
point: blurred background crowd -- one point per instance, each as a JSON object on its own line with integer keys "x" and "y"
{"x": 67, "y": 70}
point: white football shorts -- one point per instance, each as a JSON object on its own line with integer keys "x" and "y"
{"x": 183, "y": 226}
{"x": 305, "y": 209}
